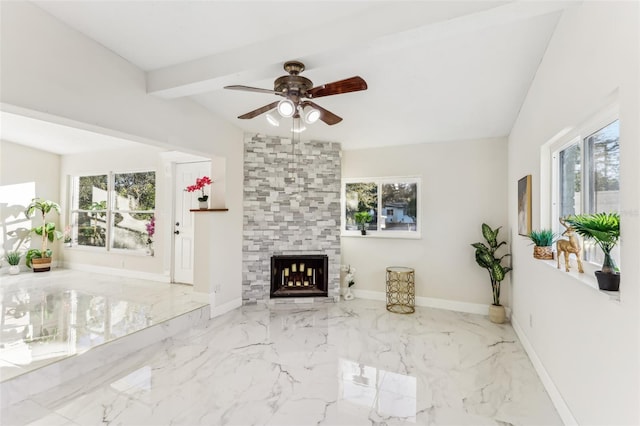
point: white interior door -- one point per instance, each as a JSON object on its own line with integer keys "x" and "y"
{"x": 186, "y": 174}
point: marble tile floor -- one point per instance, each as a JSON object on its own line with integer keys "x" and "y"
{"x": 48, "y": 317}
{"x": 349, "y": 363}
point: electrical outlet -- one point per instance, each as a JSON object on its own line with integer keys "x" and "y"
{"x": 216, "y": 289}
{"x": 531, "y": 320}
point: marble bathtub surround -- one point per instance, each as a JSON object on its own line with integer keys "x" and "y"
{"x": 344, "y": 363}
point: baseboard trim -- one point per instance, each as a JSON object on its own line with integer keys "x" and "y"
{"x": 368, "y": 294}
{"x": 430, "y": 302}
{"x": 126, "y": 273}
{"x": 547, "y": 382}
{"x": 226, "y": 307}
{"x": 452, "y": 305}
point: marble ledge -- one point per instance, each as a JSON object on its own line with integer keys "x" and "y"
{"x": 47, "y": 377}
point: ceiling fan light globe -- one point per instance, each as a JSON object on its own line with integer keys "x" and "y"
{"x": 273, "y": 120}
{"x": 286, "y": 108}
{"x": 310, "y": 115}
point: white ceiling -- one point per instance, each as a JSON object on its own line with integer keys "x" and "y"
{"x": 56, "y": 138}
{"x": 436, "y": 70}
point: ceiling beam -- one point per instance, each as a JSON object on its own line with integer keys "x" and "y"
{"x": 372, "y": 32}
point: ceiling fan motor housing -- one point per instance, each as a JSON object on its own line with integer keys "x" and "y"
{"x": 292, "y": 85}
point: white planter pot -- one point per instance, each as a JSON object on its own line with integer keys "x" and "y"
{"x": 348, "y": 295}
{"x": 497, "y": 314}
{"x": 14, "y": 270}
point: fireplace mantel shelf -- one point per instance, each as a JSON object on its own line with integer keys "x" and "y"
{"x": 208, "y": 210}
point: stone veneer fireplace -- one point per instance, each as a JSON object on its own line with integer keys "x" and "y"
{"x": 291, "y": 208}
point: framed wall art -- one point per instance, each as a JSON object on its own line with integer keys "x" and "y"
{"x": 524, "y": 205}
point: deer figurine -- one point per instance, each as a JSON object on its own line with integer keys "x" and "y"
{"x": 569, "y": 246}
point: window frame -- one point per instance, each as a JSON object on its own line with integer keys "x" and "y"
{"x": 578, "y": 134}
{"x": 76, "y": 210}
{"x": 378, "y": 233}
{"x": 109, "y": 212}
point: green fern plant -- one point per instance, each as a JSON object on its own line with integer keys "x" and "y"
{"x": 604, "y": 229}
{"x": 543, "y": 237}
{"x": 486, "y": 258}
{"x": 362, "y": 218}
{"x": 13, "y": 258}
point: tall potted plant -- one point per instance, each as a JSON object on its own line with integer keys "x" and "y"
{"x": 362, "y": 219}
{"x": 604, "y": 229}
{"x": 487, "y": 259}
{"x": 40, "y": 259}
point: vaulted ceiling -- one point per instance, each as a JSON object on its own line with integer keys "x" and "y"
{"x": 436, "y": 71}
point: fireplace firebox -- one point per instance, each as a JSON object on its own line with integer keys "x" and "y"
{"x": 299, "y": 276}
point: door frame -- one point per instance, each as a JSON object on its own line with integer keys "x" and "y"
{"x": 171, "y": 160}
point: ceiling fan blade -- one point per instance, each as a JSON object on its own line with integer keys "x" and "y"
{"x": 257, "y": 112}
{"x": 252, "y": 89}
{"x": 353, "y": 84}
{"x": 325, "y": 115}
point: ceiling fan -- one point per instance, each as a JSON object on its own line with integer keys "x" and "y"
{"x": 295, "y": 89}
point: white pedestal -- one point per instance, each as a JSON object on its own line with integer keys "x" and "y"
{"x": 214, "y": 277}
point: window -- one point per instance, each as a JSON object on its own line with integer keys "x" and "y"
{"x": 587, "y": 177}
{"x": 570, "y": 180}
{"x": 112, "y": 211}
{"x": 391, "y": 202}
{"x": 90, "y": 210}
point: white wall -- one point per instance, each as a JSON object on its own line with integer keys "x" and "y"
{"x": 35, "y": 163}
{"x": 51, "y": 70}
{"x": 36, "y": 175}
{"x": 586, "y": 343}
{"x": 463, "y": 185}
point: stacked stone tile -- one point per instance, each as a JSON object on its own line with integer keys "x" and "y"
{"x": 291, "y": 206}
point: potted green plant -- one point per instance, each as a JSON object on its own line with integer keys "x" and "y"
{"x": 13, "y": 259}
{"x": 542, "y": 241}
{"x": 486, "y": 257}
{"x": 362, "y": 219}
{"x": 604, "y": 229}
{"x": 40, "y": 259}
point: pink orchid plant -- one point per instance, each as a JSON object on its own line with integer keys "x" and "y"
{"x": 199, "y": 186}
{"x": 151, "y": 229}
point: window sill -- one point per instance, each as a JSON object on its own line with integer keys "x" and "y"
{"x": 587, "y": 278}
{"x": 102, "y": 250}
{"x": 377, "y": 234}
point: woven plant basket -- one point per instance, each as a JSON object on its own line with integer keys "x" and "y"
{"x": 543, "y": 253}
{"x": 41, "y": 264}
